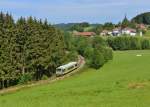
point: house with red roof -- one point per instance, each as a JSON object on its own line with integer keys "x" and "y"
{"x": 116, "y": 31}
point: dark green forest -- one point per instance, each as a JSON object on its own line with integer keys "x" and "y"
{"x": 29, "y": 49}
{"x": 143, "y": 18}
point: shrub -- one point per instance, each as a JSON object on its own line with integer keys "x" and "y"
{"x": 97, "y": 59}
{"x": 82, "y": 43}
{"x": 135, "y": 43}
{"x": 44, "y": 77}
{"x": 25, "y": 78}
{"x": 145, "y": 44}
{"x": 108, "y": 54}
{"x": 98, "y": 41}
{"x": 70, "y": 56}
{"x": 88, "y": 52}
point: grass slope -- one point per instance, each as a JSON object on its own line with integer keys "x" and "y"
{"x": 123, "y": 82}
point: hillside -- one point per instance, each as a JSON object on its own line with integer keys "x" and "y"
{"x": 68, "y": 26}
{"x": 142, "y": 18}
{"x": 64, "y": 26}
{"x": 123, "y": 82}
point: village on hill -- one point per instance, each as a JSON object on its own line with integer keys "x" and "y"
{"x": 124, "y": 28}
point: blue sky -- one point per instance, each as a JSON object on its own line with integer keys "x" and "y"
{"x": 65, "y": 11}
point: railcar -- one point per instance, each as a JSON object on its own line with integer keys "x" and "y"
{"x": 64, "y": 69}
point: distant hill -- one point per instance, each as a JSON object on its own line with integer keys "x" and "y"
{"x": 64, "y": 26}
{"x": 142, "y": 18}
{"x": 67, "y": 26}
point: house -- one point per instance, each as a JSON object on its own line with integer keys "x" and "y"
{"x": 86, "y": 34}
{"x": 125, "y": 31}
{"x": 105, "y": 33}
{"x": 116, "y": 31}
{"x": 141, "y": 26}
{"x": 129, "y": 31}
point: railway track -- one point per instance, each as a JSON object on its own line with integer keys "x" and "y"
{"x": 81, "y": 62}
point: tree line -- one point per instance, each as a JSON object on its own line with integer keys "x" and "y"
{"x": 128, "y": 43}
{"x": 29, "y": 49}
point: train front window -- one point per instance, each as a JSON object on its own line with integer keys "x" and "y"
{"x": 59, "y": 70}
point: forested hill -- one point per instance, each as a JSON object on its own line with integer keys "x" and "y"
{"x": 76, "y": 26}
{"x": 143, "y": 18}
{"x": 64, "y": 26}
{"x": 29, "y": 49}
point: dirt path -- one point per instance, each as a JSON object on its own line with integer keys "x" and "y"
{"x": 81, "y": 63}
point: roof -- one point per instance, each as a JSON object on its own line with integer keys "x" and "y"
{"x": 130, "y": 29}
{"x": 67, "y": 65}
{"x": 117, "y": 29}
{"x": 85, "y": 33}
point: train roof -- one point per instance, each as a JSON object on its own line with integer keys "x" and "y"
{"x": 67, "y": 65}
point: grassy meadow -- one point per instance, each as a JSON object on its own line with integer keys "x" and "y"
{"x": 122, "y": 82}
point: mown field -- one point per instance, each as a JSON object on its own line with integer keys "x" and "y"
{"x": 123, "y": 82}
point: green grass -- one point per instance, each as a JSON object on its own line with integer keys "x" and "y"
{"x": 123, "y": 82}
{"x": 147, "y": 34}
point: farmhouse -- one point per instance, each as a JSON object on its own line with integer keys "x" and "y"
{"x": 116, "y": 32}
{"x": 129, "y": 31}
{"x": 119, "y": 31}
{"x": 86, "y": 34}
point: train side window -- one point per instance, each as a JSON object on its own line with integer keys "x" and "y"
{"x": 58, "y": 70}
{"x": 70, "y": 67}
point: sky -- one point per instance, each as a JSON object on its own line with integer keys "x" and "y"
{"x": 70, "y": 11}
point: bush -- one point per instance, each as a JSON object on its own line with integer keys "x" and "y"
{"x": 88, "y": 52}
{"x": 135, "y": 43}
{"x": 128, "y": 43}
{"x": 44, "y": 77}
{"x": 25, "y": 78}
{"x": 70, "y": 56}
{"x": 98, "y": 41}
{"x": 97, "y": 59}
{"x": 110, "y": 42}
{"x": 81, "y": 43}
{"x": 108, "y": 54}
{"x": 145, "y": 44}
